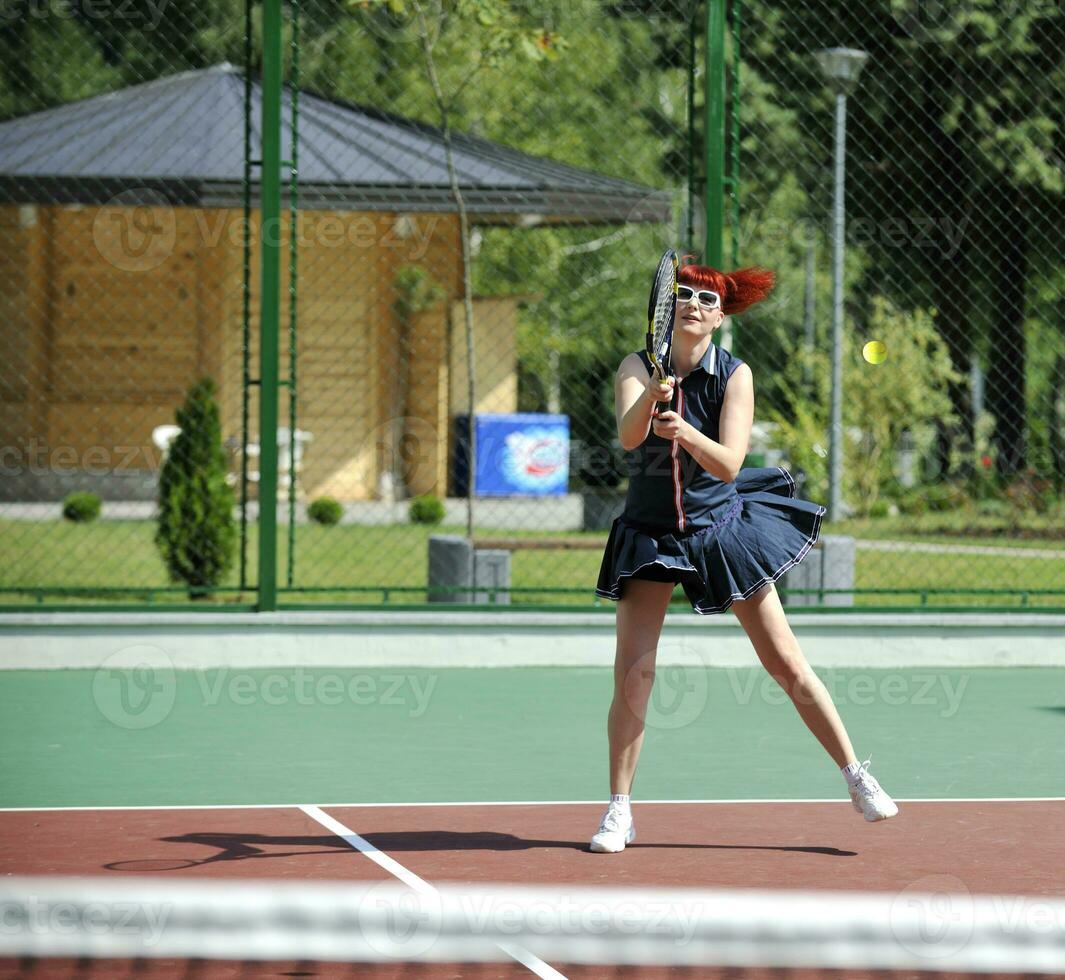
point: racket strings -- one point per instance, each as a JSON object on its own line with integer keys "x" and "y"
{"x": 663, "y": 317}
{"x": 661, "y": 307}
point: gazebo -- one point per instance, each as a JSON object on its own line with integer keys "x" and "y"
{"x": 122, "y": 265}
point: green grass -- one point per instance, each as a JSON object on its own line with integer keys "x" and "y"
{"x": 1025, "y": 530}
{"x": 122, "y": 555}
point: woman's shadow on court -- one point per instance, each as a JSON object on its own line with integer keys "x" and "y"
{"x": 243, "y": 847}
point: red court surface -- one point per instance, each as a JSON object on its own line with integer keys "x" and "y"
{"x": 962, "y": 847}
{"x": 989, "y": 847}
{"x": 280, "y": 842}
{"x": 1007, "y": 847}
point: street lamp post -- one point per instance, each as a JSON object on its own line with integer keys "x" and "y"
{"x": 841, "y": 68}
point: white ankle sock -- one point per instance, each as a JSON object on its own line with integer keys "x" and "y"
{"x": 850, "y": 773}
{"x": 622, "y": 798}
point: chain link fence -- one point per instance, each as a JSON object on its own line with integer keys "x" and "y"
{"x": 475, "y": 195}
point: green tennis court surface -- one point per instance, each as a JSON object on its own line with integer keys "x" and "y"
{"x": 229, "y": 736}
{"x": 181, "y": 794}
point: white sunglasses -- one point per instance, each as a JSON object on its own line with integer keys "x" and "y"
{"x": 706, "y": 297}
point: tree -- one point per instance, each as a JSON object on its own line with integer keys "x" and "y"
{"x": 503, "y": 36}
{"x": 957, "y": 122}
{"x": 954, "y": 125}
{"x": 907, "y": 393}
{"x": 197, "y": 534}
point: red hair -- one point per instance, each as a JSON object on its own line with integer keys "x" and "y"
{"x": 739, "y": 290}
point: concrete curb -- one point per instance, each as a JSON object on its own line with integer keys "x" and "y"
{"x": 371, "y": 639}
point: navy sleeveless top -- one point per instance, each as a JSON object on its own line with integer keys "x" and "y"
{"x": 669, "y": 492}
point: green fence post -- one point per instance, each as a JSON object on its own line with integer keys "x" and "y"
{"x": 245, "y": 303}
{"x": 293, "y": 285}
{"x": 734, "y": 126}
{"x": 689, "y": 229}
{"x": 270, "y": 303}
{"x": 714, "y": 138}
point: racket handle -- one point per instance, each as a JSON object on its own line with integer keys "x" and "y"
{"x": 659, "y": 407}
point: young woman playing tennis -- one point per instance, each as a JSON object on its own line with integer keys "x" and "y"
{"x": 725, "y": 534}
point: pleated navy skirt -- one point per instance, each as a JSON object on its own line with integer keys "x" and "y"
{"x": 762, "y": 533}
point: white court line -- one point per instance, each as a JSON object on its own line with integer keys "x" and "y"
{"x": 411, "y": 880}
{"x": 392, "y": 866}
{"x": 401, "y": 803}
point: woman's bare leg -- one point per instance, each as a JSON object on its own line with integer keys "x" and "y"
{"x": 640, "y": 614}
{"x": 762, "y": 618}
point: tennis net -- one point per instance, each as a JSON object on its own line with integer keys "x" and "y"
{"x": 148, "y": 927}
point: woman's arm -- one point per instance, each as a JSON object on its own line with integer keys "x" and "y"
{"x": 720, "y": 459}
{"x": 634, "y": 396}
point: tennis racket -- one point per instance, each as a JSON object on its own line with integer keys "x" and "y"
{"x": 661, "y": 309}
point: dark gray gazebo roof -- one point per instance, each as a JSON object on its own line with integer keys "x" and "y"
{"x": 182, "y": 137}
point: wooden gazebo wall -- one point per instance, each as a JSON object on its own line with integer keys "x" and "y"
{"x": 108, "y": 314}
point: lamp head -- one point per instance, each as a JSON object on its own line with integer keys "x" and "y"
{"x": 841, "y": 67}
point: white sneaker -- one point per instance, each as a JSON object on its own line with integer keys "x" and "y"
{"x": 616, "y": 830}
{"x": 869, "y": 799}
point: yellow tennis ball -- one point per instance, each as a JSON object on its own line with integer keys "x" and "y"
{"x": 874, "y": 352}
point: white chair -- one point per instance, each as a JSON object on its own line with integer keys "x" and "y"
{"x": 253, "y": 452}
{"x": 163, "y": 436}
{"x": 301, "y": 439}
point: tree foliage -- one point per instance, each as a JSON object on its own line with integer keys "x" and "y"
{"x": 955, "y": 183}
{"x": 905, "y": 395}
{"x": 197, "y": 534}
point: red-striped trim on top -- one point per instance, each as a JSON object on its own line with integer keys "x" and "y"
{"x": 678, "y": 489}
